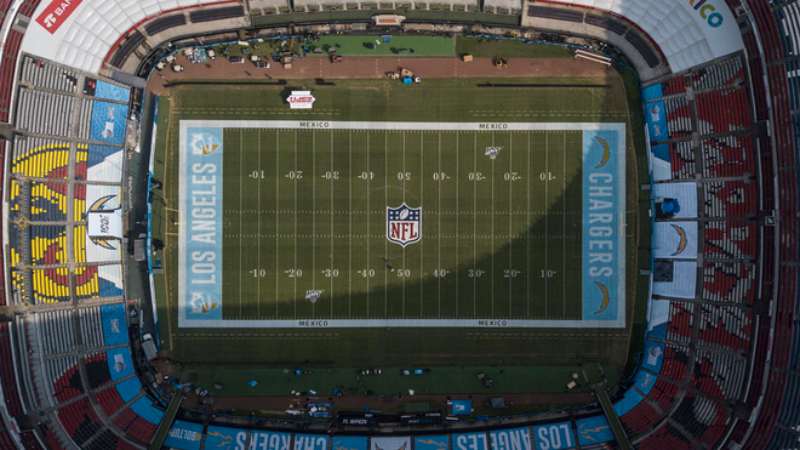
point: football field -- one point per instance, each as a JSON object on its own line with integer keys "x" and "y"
{"x": 307, "y": 237}
{"x": 282, "y": 239}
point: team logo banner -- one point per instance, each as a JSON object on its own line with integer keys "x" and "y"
{"x": 403, "y": 225}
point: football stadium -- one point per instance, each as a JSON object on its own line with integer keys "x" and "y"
{"x": 406, "y": 225}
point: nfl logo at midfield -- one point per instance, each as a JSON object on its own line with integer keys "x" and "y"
{"x": 403, "y": 224}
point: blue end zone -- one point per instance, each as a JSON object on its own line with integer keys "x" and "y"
{"x": 603, "y": 225}
{"x": 200, "y": 293}
{"x": 185, "y": 435}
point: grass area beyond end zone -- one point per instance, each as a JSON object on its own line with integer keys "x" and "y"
{"x": 373, "y": 45}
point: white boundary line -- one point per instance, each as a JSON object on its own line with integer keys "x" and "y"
{"x": 410, "y": 323}
{"x": 407, "y": 126}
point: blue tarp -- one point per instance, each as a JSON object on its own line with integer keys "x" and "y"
{"x": 115, "y": 330}
{"x": 593, "y": 431}
{"x": 184, "y": 435}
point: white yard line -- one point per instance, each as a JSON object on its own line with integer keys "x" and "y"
{"x": 530, "y": 174}
{"x": 439, "y": 231}
{"x": 564, "y": 229}
{"x": 277, "y": 230}
{"x": 403, "y": 310}
{"x": 421, "y": 199}
{"x": 474, "y": 226}
{"x": 241, "y": 207}
{"x": 492, "y": 235}
{"x": 546, "y": 225}
{"x": 408, "y": 126}
{"x": 458, "y": 220}
{"x": 510, "y": 219}
{"x": 350, "y": 224}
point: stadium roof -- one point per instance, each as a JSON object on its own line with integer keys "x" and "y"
{"x": 687, "y": 36}
{"x": 81, "y": 33}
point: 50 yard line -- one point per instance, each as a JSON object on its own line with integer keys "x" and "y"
{"x": 241, "y": 208}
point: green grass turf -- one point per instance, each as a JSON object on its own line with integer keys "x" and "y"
{"x": 354, "y": 45}
{"x": 440, "y": 100}
{"x": 440, "y": 380}
{"x": 508, "y": 49}
{"x": 305, "y": 210}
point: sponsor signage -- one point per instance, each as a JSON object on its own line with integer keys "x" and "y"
{"x": 301, "y": 100}
{"x": 56, "y": 13}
